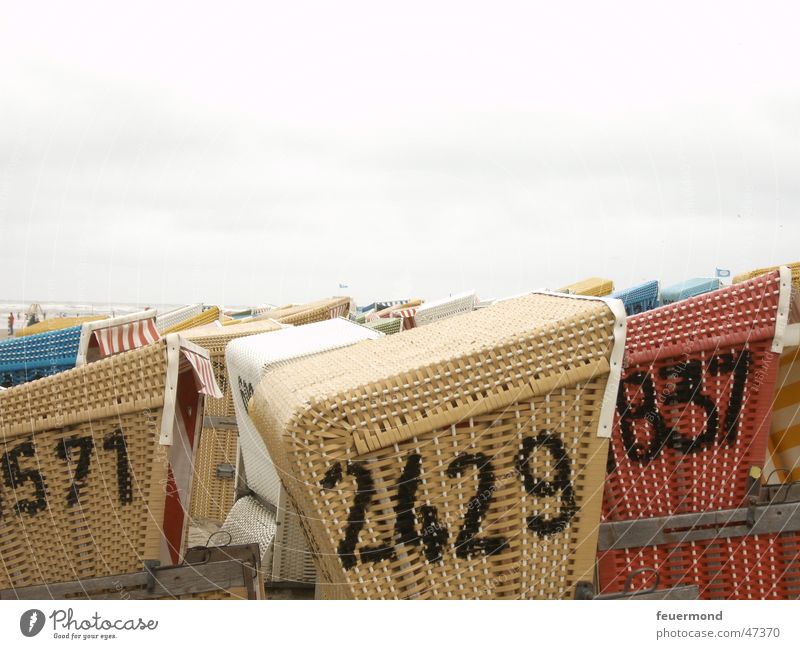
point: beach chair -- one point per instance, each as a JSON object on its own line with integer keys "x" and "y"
{"x": 386, "y": 326}
{"x": 640, "y": 298}
{"x": 213, "y": 487}
{"x": 691, "y": 437}
{"x": 447, "y": 307}
{"x": 794, "y": 267}
{"x": 38, "y": 355}
{"x": 463, "y": 459}
{"x": 168, "y": 319}
{"x": 689, "y": 288}
{"x": 596, "y": 286}
{"x": 207, "y": 316}
{"x": 248, "y": 361}
{"x": 100, "y": 464}
{"x": 327, "y": 309}
{"x": 56, "y": 324}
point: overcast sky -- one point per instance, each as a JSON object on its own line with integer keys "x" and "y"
{"x": 264, "y": 152}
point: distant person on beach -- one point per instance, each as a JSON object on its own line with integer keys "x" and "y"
{"x": 11, "y": 324}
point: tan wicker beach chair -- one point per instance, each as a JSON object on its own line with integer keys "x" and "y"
{"x": 464, "y": 459}
{"x": 99, "y": 464}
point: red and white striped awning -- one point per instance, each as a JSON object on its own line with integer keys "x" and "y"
{"x": 127, "y": 336}
{"x": 203, "y": 370}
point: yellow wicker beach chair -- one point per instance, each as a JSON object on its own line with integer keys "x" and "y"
{"x": 596, "y": 286}
{"x": 793, "y": 267}
{"x": 335, "y": 307}
{"x": 464, "y": 459}
{"x": 208, "y": 316}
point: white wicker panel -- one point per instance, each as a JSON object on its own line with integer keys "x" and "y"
{"x": 249, "y": 521}
{"x": 445, "y": 308}
{"x": 249, "y": 358}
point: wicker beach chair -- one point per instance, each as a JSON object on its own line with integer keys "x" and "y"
{"x": 248, "y": 361}
{"x": 327, "y": 309}
{"x": 168, "y": 319}
{"x": 213, "y": 488}
{"x": 640, "y": 298}
{"x": 794, "y": 267}
{"x": 439, "y": 309}
{"x": 207, "y": 316}
{"x": 691, "y": 436}
{"x": 39, "y": 355}
{"x": 35, "y": 356}
{"x": 596, "y": 286}
{"x": 689, "y": 288}
{"x": 99, "y": 460}
{"x": 56, "y": 324}
{"x": 386, "y": 326}
{"x": 463, "y": 459}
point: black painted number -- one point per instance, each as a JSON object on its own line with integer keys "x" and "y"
{"x": 467, "y": 542}
{"x": 15, "y": 477}
{"x": 80, "y": 470}
{"x": 542, "y": 488}
{"x": 116, "y": 442}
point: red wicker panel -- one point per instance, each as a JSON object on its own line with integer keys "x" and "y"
{"x": 694, "y": 402}
{"x": 743, "y": 567}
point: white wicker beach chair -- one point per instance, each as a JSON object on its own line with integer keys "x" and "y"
{"x": 248, "y": 360}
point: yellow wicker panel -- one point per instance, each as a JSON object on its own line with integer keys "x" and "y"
{"x": 212, "y": 494}
{"x": 54, "y": 324}
{"x": 206, "y": 317}
{"x": 459, "y": 460}
{"x": 307, "y": 313}
{"x": 794, "y": 267}
{"x": 596, "y": 286}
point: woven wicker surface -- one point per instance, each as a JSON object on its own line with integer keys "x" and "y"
{"x": 32, "y": 357}
{"x": 794, "y": 267}
{"x": 212, "y": 493}
{"x": 300, "y": 314}
{"x": 785, "y": 421}
{"x": 206, "y": 317}
{"x": 169, "y": 319}
{"x": 639, "y": 298}
{"x": 694, "y": 401}
{"x": 248, "y": 359}
{"x": 471, "y": 444}
{"x": 215, "y": 339}
{"x": 744, "y": 567}
{"x": 89, "y": 436}
{"x": 250, "y": 521}
{"x": 688, "y": 288}
{"x": 54, "y": 324}
{"x": 596, "y": 286}
{"x": 445, "y": 308}
{"x": 386, "y": 326}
